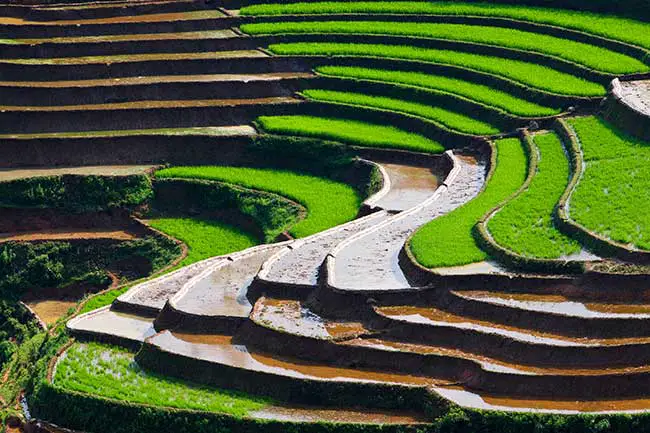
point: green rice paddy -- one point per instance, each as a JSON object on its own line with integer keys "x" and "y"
{"x": 204, "y": 238}
{"x": 530, "y": 74}
{"x": 525, "y": 224}
{"x": 477, "y": 92}
{"x": 612, "y": 196}
{"x": 447, "y": 118}
{"x": 609, "y": 26}
{"x": 349, "y": 131}
{"x": 111, "y": 372}
{"x": 328, "y": 203}
{"x": 448, "y": 240}
{"x": 591, "y": 56}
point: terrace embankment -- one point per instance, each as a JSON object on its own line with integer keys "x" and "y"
{"x": 628, "y": 105}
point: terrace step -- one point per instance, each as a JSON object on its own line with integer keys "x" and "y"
{"x": 370, "y": 260}
{"x": 141, "y": 114}
{"x": 7, "y": 175}
{"x": 222, "y": 360}
{"x": 551, "y": 313}
{"x": 110, "y": 326}
{"x": 69, "y": 233}
{"x": 215, "y": 86}
{"x": 288, "y": 327}
{"x": 296, "y": 268}
{"x": 140, "y": 18}
{"x": 152, "y": 295}
{"x": 216, "y": 299}
{"x": 433, "y": 326}
{"x": 110, "y": 67}
{"x": 628, "y": 105}
{"x": 221, "y": 40}
{"x": 193, "y": 145}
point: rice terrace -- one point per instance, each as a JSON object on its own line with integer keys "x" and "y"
{"x": 306, "y": 216}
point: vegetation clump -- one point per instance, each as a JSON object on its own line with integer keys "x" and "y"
{"x": 328, "y": 203}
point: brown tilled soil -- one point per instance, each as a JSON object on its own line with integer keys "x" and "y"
{"x": 198, "y": 35}
{"x": 362, "y": 415}
{"x": 130, "y": 81}
{"x": 9, "y": 174}
{"x": 123, "y": 58}
{"x": 213, "y": 131}
{"x": 148, "y": 18}
{"x": 68, "y": 234}
{"x": 137, "y": 105}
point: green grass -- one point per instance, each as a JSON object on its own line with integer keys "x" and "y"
{"x": 477, "y": 92}
{"x": 530, "y": 74}
{"x": 447, "y": 118}
{"x": 111, "y": 372}
{"x": 328, "y": 203}
{"x": 591, "y": 56}
{"x": 525, "y": 224}
{"x": 448, "y": 240}
{"x": 204, "y": 238}
{"x": 612, "y": 196}
{"x": 623, "y": 29}
{"x": 349, "y": 131}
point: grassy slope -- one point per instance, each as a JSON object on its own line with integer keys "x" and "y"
{"x": 204, "y": 238}
{"x": 111, "y": 372}
{"x": 328, "y": 203}
{"x": 477, "y": 92}
{"x": 529, "y": 74}
{"x": 448, "y": 240}
{"x": 349, "y": 131}
{"x": 591, "y": 56}
{"x": 525, "y": 224}
{"x": 613, "y": 194}
{"x": 623, "y": 29}
{"x": 450, "y": 119}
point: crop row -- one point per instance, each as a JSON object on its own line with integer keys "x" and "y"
{"x": 610, "y": 26}
{"x": 328, "y": 203}
{"x": 593, "y": 57}
{"x": 612, "y": 196}
{"x": 349, "y": 131}
{"x": 467, "y": 89}
{"x": 447, "y": 118}
{"x": 525, "y": 224}
{"x": 537, "y": 76}
{"x": 449, "y": 240}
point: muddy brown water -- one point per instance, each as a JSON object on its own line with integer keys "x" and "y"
{"x": 522, "y": 404}
{"x": 215, "y": 131}
{"x": 290, "y": 316}
{"x": 571, "y": 303}
{"x": 489, "y": 363}
{"x": 130, "y": 81}
{"x": 221, "y": 349}
{"x": 128, "y": 326}
{"x": 410, "y": 186}
{"x": 7, "y": 174}
{"x": 433, "y": 315}
{"x": 135, "y": 105}
{"x": 361, "y": 415}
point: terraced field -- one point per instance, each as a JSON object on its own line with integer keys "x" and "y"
{"x": 324, "y": 216}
